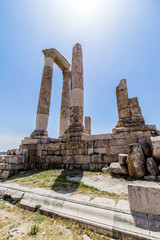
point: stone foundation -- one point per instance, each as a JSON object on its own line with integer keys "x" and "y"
{"x": 92, "y": 152}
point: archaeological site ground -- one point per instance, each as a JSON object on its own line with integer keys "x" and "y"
{"x": 108, "y": 183}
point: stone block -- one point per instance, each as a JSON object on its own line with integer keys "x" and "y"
{"x": 155, "y": 145}
{"x": 11, "y": 158}
{"x": 152, "y": 167}
{"x": 119, "y": 149}
{"x": 53, "y": 146}
{"x": 68, "y": 159}
{"x": 150, "y": 178}
{"x": 136, "y": 161}
{"x": 133, "y": 102}
{"x": 96, "y": 158}
{"x": 90, "y": 151}
{"x": 11, "y": 166}
{"x": 102, "y": 143}
{"x": 124, "y": 113}
{"x": 96, "y": 167}
{"x": 63, "y": 146}
{"x": 5, "y": 174}
{"x": 99, "y": 150}
{"x": 82, "y": 159}
{"x": 85, "y": 167}
{"x": 123, "y": 104}
{"x": 116, "y": 168}
{"x": 72, "y": 145}
{"x": 109, "y": 158}
{"x": 135, "y": 111}
{"x": 144, "y": 197}
{"x": 54, "y": 159}
{"x": 44, "y": 153}
{"x": 122, "y": 158}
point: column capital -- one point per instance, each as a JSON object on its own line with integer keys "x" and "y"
{"x": 50, "y": 53}
{"x": 62, "y": 63}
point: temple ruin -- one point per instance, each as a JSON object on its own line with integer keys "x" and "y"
{"x": 76, "y": 147}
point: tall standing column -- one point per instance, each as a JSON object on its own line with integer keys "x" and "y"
{"x": 76, "y": 101}
{"x": 44, "y": 96}
{"x": 88, "y": 124}
{"x": 65, "y": 103}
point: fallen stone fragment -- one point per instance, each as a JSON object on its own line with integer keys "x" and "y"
{"x": 116, "y": 168}
{"x": 150, "y": 178}
{"x": 152, "y": 166}
{"x": 122, "y": 158}
{"x": 136, "y": 161}
{"x": 155, "y": 145}
{"x": 146, "y": 149}
{"x": 106, "y": 170}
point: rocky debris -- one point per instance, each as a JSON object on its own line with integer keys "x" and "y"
{"x": 150, "y": 178}
{"x": 136, "y": 161}
{"x": 146, "y": 149}
{"x": 85, "y": 237}
{"x": 152, "y": 166}
{"x": 122, "y": 158}
{"x": 155, "y": 145}
{"x": 116, "y": 168}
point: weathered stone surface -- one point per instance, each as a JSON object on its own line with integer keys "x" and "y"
{"x": 116, "y": 168}
{"x": 155, "y": 145}
{"x": 146, "y": 149}
{"x": 144, "y": 197}
{"x": 150, "y": 178}
{"x": 54, "y": 159}
{"x": 88, "y": 124}
{"x": 119, "y": 149}
{"x": 96, "y": 158}
{"x": 128, "y": 109}
{"x": 122, "y": 158}
{"x": 65, "y": 101}
{"x": 82, "y": 159}
{"x": 109, "y": 158}
{"x": 53, "y": 146}
{"x": 152, "y": 166}
{"x": 136, "y": 161}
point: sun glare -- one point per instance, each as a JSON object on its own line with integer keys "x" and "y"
{"x": 84, "y": 8}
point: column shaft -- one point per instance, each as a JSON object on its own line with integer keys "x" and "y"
{"x": 88, "y": 124}
{"x": 76, "y": 102}
{"x": 65, "y": 103}
{"x": 45, "y": 95}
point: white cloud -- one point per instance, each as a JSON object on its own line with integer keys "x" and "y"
{"x": 9, "y": 141}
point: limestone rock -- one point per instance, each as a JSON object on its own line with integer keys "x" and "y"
{"x": 150, "y": 178}
{"x": 146, "y": 149}
{"x": 155, "y": 144}
{"x": 122, "y": 158}
{"x": 136, "y": 161}
{"x": 116, "y": 168}
{"x": 152, "y": 166}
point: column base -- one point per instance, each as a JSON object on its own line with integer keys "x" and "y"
{"x": 76, "y": 130}
{"x": 135, "y": 128}
{"x": 39, "y": 134}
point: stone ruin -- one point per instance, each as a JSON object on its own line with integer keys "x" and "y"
{"x": 132, "y": 148}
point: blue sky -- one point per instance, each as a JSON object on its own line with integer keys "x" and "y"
{"x": 120, "y": 39}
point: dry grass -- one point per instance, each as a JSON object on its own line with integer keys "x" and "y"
{"x": 20, "y": 224}
{"x": 57, "y": 180}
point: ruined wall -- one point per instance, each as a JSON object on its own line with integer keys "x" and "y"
{"x": 88, "y": 152}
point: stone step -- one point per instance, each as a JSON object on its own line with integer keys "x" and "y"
{"x": 101, "y": 214}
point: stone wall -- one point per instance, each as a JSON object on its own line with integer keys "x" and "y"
{"x": 87, "y": 152}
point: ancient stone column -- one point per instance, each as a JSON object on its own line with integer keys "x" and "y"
{"x": 65, "y": 102}
{"x": 76, "y": 101}
{"x": 88, "y": 124}
{"x": 45, "y": 95}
